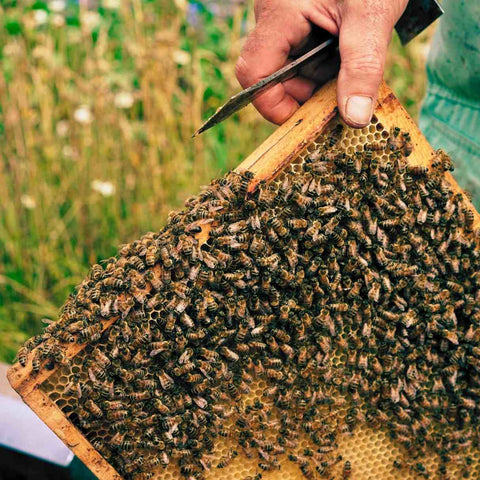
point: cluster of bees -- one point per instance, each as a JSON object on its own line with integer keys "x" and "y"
{"x": 351, "y": 287}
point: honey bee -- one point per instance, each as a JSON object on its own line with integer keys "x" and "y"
{"x": 76, "y": 327}
{"x": 117, "y": 415}
{"x": 36, "y": 361}
{"x": 257, "y": 476}
{"x": 227, "y": 459}
{"x": 22, "y": 356}
{"x": 91, "y": 333}
{"x": 93, "y": 408}
{"x": 196, "y": 336}
{"x": 94, "y": 293}
{"x": 417, "y": 170}
{"x": 161, "y": 407}
{"x": 124, "y": 305}
{"x": 101, "y": 448}
{"x": 324, "y": 320}
{"x": 287, "y": 350}
{"x": 209, "y": 355}
{"x": 274, "y": 374}
{"x": 166, "y": 381}
{"x": 140, "y": 396}
{"x": 113, "y": 282}
{"x": 374, "y": 292}
{"x": 101, "y": 359}
{"x": 229, "y": 354}
{"x": 242, "y": 332}
{"x": 407, "y": 145}
{"x": 181, "y": 290}
{"x": 455, "y": 287}
{"x": 96, "y": 272}
{"x": 137, "y": 263}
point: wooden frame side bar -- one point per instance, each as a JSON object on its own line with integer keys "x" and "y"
{"x": 56, "y": 420}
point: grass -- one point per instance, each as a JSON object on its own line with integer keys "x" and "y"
{"x": 96, "y": 112}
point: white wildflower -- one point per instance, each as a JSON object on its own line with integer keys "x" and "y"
{"x": 58, "y": 20}
{"x": 181, "y": 4}
{"x": 111, "y": 4}
{"x": 62, "y": 128}
{"x": 69, "y": 152}
{"x": 107, "y": 189}
{"x": 28, "y": 202}
{"x": 90, "y": 19}
{"x": 123, "y": 100}
{"x": 83, "y": 115}
{"x": 12, "y": 49}
{"x": 40, "y": 17}
{"x": 57, "y": 6}
{"x": 181, "y": 57}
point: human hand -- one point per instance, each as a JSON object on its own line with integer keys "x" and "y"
{"x": 282, "y": 27}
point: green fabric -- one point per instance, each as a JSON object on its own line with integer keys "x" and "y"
{"x": 450, "y": 116}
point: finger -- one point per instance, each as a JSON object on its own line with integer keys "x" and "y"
{"x": 265, "y": 51}
{"x": 364, "y": 37}
{"x": 276, "y": 105}
{"x": 300, "y": 88}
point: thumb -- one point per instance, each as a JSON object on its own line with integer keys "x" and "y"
{"x": 364, "y": 37}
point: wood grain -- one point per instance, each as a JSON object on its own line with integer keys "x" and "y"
{"x": 56, "y": 420}
{"x": 24, "y": 379}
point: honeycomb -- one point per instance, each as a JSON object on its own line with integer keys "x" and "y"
{"x": 369, "y": 449}
{"x": 351, "y": 140}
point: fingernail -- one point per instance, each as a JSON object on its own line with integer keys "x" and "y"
{"x": 359, "y": 110}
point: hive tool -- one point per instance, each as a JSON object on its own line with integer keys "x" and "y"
{"x": 418, "y": 15}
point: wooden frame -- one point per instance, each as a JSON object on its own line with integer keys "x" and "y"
{"x": 265, "y": 162}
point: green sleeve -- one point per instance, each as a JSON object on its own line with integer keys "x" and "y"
{"x": 450, "y": 116}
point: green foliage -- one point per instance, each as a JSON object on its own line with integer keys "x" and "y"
{"x": 97, "y": 110}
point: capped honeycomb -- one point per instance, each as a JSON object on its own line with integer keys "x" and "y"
{"x": 315, "y": 334}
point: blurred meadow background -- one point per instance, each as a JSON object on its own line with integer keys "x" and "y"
{"x": 98, "y": 101}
